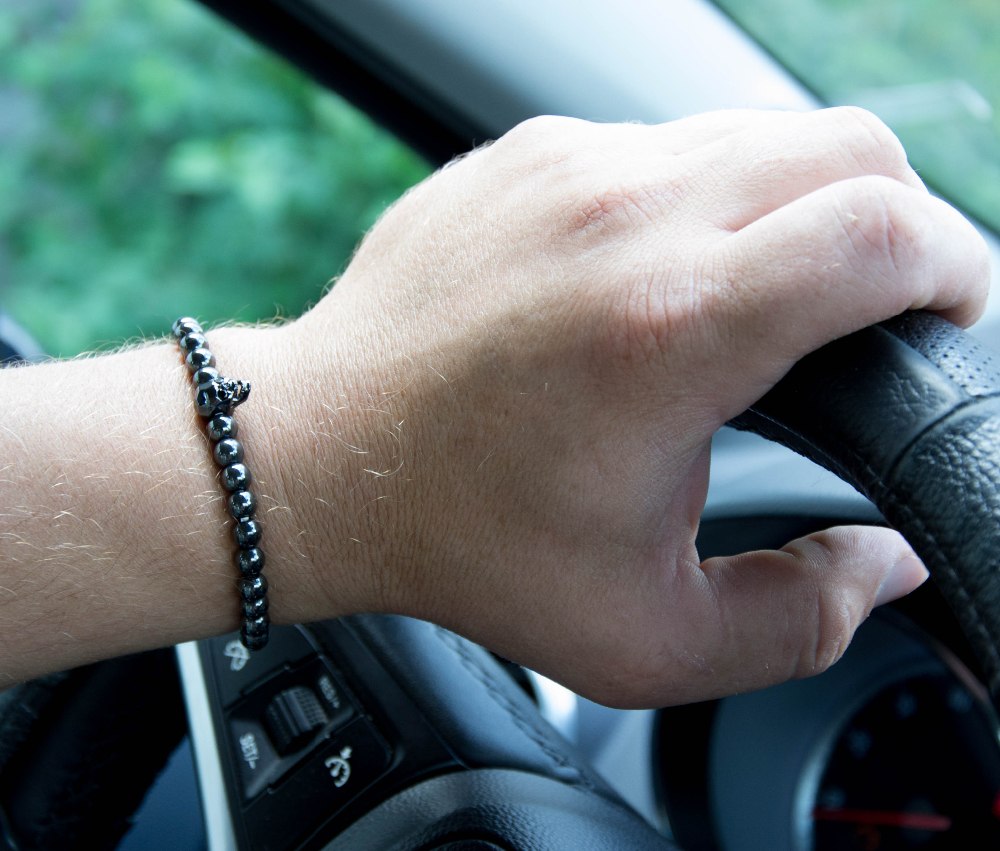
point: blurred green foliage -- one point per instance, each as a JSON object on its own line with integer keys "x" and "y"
{"x": 929, "y": 68}
{"x": 153, "y": 162}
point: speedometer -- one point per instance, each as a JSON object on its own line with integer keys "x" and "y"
{"x": 917, "y": 766}
{"x": 895, "y": 747}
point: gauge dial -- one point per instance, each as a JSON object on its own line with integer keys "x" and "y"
{"x": 917, "y": 766}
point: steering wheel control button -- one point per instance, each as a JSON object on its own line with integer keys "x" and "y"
{"x": 237, "y": 669}
{"x": 354, "y": 759}
{"x": 293, "y": 718}
{"x": 334, "y": 775}
{"x": 284, "y": 720}
{"x": 338, "y": 706}
{"x": 256, "y": 759}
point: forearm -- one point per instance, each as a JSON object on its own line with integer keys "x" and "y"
{"x": 114, "y": 536}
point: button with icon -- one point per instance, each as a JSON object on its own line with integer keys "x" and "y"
{"x": 237, "y": 669}
{"x": 331, "y": 777}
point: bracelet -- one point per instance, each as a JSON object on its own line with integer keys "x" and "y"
{"x": 215, "y": 399}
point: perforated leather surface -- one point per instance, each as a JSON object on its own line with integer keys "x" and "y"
{"x": 965, "y": 362}
{"x": 909, "y": 413}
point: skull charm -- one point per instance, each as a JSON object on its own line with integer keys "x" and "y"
{"x": 221, "y": 396}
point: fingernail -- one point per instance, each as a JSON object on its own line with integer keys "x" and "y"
{"x": 906, "y": 575}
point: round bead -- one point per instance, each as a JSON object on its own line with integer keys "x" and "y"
{"x": 242, "y": 504}
{"x": 254, "y": 588}
{"x": 186, "y": 325}
{"x": 250, "y": 561}
{"x": 205, "y": 376}
{"x": 199, "y": 358}
{"x": 254, "y": 608}
{"x": 236, "y": 477}
{"x": 253, "y": 641}
{"x": 247, "y": 532}
{"x": 204, "y": 403}
{"x": 192, "y": 341}
{"x": 228, "y": 451}
{"x": 256, "y": 625}
{"x": 220, "y": 427}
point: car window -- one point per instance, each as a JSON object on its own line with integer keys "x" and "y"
{"x": 929, "y": 68}
{"x": 154, "y": 161}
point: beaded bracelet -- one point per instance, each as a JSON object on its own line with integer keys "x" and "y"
{"x": 215, "y": 399}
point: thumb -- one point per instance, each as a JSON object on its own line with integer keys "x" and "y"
{"x": 790, "y": 613}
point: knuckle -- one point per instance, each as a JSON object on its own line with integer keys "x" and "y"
{"x": 836, "y": 618}
{"x": 869, "y": 141}
{"x": 542, "y": 127}
{"x": 838, "y": 608}
{"x": 543, "y": 138}
{"x": 545, "y": 157}
{"x": 881, "y": 225}
{"x": 858, "y": 122}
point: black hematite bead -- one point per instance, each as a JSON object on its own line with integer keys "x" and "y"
{"x": 192, "y": 341}
{"x": 186, "y": 325}
{"x": 257, "y": 625}
{"x": 242, "y": 504}
{"x": 199, "y": 359}
{"x": 205, "y": 376}
{"x": 247, "y": 532}
{"x": 235, "y": 477}
{"x": 250, "y": 562}
{"x": 213, "y": 399}
{"x": 253, "y": 641}
{"x": 228, "y": 451}
{"x": 254, "y": 608}
{"x": 254, "y": 588}
{"x": 221, "y": 426}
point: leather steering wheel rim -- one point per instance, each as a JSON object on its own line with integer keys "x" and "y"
{"x": 908, "y": 412}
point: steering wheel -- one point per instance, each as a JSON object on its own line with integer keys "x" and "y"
{"x": 432, "y": 745}
{"x": 908, "y": 412}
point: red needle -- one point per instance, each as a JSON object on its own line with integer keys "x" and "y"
{"x": 885, "y": 818}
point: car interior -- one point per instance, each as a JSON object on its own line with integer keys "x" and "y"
{"x": 383, "y": 732}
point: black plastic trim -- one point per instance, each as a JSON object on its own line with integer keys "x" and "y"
{"x": 340, "y": 63}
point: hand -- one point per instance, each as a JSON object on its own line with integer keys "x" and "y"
{"x": 533, "y": 349}
{"x": 499, "y": 419}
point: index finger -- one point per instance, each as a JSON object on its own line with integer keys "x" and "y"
{"x": 844, "y": 257}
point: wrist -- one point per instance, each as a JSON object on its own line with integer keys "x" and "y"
{"x": 304, "y": 496}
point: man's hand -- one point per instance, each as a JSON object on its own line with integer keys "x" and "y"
{"x": 533, "y": 349}
{"x": 499, "y": 419}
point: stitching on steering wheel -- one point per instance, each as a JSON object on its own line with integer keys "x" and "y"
{"x": 521, "y": 721}
{"x": 970, "y": 610}
{"x": 967, "y": 601}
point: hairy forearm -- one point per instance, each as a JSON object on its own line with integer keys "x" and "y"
{"x": 114, "y": 535}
